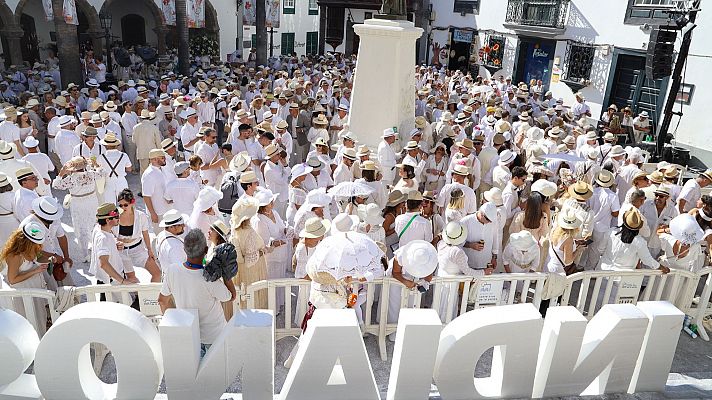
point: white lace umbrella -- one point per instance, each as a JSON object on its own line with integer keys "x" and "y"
{"x": 353, "y": 254}
{"x": 685, "y": 229}
{"x": 350, "y": 189}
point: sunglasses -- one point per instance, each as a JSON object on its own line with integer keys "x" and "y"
{"x": 111, "y": 218}
{"x": 124, "y": 205}
{"x": 660, "y": 195}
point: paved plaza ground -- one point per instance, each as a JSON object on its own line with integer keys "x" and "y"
{"x": 690, "y": 377}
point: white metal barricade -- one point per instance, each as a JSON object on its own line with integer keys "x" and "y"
{"x": 702, "y": 307}
{"x": 588, "y": 291}
{"x": 10, "y": 297}
{"x": 500, "y": 289}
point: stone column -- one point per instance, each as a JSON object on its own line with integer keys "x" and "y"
{"x": 161, "y": 33}
{"x": 14, "y": 42}
{"x": 70, "y": 66}
{"x": 386, "y": 66}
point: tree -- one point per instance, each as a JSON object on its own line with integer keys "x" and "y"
{"x": 261, "y": 31}
{"x": 183, "y": 37}
{"x": 70, "y": 66}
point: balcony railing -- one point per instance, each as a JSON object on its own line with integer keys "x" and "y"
{"x": 544, "y": 13}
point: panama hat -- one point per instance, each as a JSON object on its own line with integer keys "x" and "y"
{"x": 544, "y": 187}
{"x": 320, "y": 120}
{"x": 506, "y": 157}
{"x": 656, "y": 177}
{"x": 494, "y": 195}
{"x": 207, "y": 198}
{"x": 110, "y": 140}
{"x": 567, "y": 219}
{"x": 459, "y": 169}
{"x": 605, "y": 178}
{"x": 244, "y": 209}
{"x": 240, "y": 162}
{"x": 490, "y": 211}
{"x": 106, "y": 211}
{"x": 707, "y": 174}
{"x": 580, "y": 191}
{"x": 498, "y": 139}
{"x": 369, "y": 165}
{"x": 418, "y": 258}
{"x": 315, "y": 227}
{"x": 30, "y": 142}
{"x": 632, "y": 219}
{"x": 23, "y": 173}
{"x": 617, "y": 151}
{"x": 396, "y": 197}
{"x": 466, "y": 143}
{"x": 343, "y": 223}
{"x": 350, "y": 154}
{"x": 524, "y": 241}
{"x": 33, "y": 231}
{"x": 7, "y": 151}
{"x": 671, "y": 172}
{"x": 370, "y": 214}
{"x": 171, "y": 218}
{"x": 454, "y": 233}
{"x": 156, "y": 153}
{"x": 271, "y": 150}
{"x": 265, "y": 197}
{"x": 47, "y": 208}
{"x": 662, "y": 190}
{"x": 248, "y": 177}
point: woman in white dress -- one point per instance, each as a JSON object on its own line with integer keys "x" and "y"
{"x": 408, "y": 183}
{"x": 314, "y": 231}
{"x": 132, "y": 231}
{"x": 419, "y": 254}
{"x": 436, "y": 168}
{"x": 563, "y": 250}
{"x": 79, "y": 178}
{"x": 276, "y": 236}
{"x": 21, "y": 271}
{"x": 27, "y": 127}
{"x": 8, "y": 221}
{"x": 452, "y": 261}
{"x": 371, "y": 222}
{"x": 371, "y": 177}
{"x": 205, "y": 209}
{"x": 297, "y": 193}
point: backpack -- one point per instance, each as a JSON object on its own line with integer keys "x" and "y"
{"x": 229, "y": 189}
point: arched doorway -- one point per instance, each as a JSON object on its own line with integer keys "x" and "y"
{"x": 133, "y": 30}
{"x": 30, "y": 48}
{"x": 147, "y": 21}
{"x": 10, "y": 34}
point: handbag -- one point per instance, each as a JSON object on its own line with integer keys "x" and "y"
{"x": 64, "y": 299}
{"x": 58, "y": 272}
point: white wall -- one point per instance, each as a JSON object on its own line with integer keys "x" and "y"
{"x": 298, "y": 23}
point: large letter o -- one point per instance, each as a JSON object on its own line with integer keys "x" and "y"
{"x": 63, "y": 366}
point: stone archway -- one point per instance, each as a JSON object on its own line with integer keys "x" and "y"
{"x": 93, "y": 26}
{"x": 11, "y": 35}
{"x": 160, "y": 26}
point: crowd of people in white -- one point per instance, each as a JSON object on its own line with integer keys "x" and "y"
{"x": 246, "y": 169}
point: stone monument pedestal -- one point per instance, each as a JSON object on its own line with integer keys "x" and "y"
{"x": 383, "y": 94}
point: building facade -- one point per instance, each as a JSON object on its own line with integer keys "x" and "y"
{"x": 298, "y": 31}
{"x": 597, "y": 48}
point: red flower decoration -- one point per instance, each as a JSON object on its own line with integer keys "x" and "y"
{"x": 495, "y": 47}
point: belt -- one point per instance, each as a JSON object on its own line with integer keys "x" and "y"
{"x": 133, "y": 246}
{"x": 79, "y": 196}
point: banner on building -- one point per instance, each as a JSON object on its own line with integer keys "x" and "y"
{"x": 70, "y": 12}
{"x": 196, "y": 13}
{"x": 272, "y": 13}
{"x": 168, "y": 8}
{"x": 49, "y": 12}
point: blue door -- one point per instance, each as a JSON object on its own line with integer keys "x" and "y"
{"x": 536, "y": 58}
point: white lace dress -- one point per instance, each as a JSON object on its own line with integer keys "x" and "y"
{"x": 83, "y": 204}
{"x": 37, "y": 281}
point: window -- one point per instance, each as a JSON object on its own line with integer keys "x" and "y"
{"x": 287, "y": 44}
{"x": 254, "y": 40}
{"x": 545, "y": 13}
{"x": 288, "y": 6}
{"x": 578, "y": 62}
{"x": 648, "y": 11}
{"x": 312, "y": 43}
{"x": 466, "y": 6}
{"x": 492, "y": 53}
{"x": 313, "y": 7}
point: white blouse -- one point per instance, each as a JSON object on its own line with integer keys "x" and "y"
{"x": 619, "y": 256}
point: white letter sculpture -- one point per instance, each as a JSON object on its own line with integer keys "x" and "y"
{"x": 589, "y": 359}
{"x": 63, "y": 366}
{"x": 414, "y": 354}
{"x": 513, "y": 330}
{"x": 246, "y": 344}
{"x": 332, "y": 343}
{"x": 18, "y": 342}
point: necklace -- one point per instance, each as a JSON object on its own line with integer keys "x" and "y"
{"x": 193, "y": 266}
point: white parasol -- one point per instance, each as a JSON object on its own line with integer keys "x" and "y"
{"x": 350, "y": 189}
{"x": 349, "y": 255}
{"x": 685, "y": 229}
{"x": 564, "y": 156}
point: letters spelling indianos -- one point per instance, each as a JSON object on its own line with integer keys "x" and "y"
{"x": 624, "y": 348}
